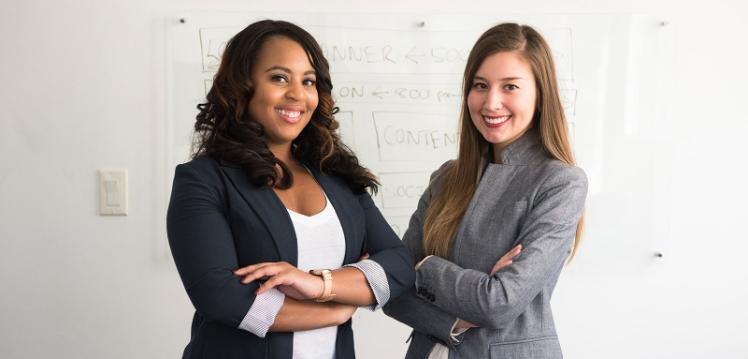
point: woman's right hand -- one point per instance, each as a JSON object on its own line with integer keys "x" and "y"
{"x": 506, "y": 259}
{"x": 293, "y": 281}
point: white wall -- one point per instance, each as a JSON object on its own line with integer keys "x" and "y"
{"x": 83, "y": 88}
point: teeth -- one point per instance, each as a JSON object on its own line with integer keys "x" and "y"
{"x": 495, "y": 120}
{"x": 289, "y": 113}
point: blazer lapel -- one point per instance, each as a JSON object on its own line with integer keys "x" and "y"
{"x": 336, "y": 195}
{"x": 270, "y": 210}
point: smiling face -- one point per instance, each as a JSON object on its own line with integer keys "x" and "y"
{"x": 285, "y": 92}
{"x": 502, "y": 99}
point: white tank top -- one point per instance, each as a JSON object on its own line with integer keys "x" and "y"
{"x": 321, "y": 245}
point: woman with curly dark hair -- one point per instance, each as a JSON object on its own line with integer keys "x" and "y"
{"x": 274, "y": 234}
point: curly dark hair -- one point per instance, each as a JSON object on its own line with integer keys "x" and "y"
{"x": 226, "y": 131}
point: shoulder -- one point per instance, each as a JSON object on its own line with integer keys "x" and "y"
{"x": 201, "y": 164}
{"x": 338, "y": 184}
{"x": 344, "y": 191}
{"x": 203, "y": 169}
{"x": 438, "y": 175}
{"x": 555, "y": 176}
{"x": 555, "y": 170}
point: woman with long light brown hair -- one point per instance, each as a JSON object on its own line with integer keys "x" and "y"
{"x": 495, "y": 226}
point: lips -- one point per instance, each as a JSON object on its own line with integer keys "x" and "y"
{"x": 496, "y": 121}
{"x": 290, "y": 115}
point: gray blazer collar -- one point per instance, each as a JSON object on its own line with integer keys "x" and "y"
{"x": 523, "y": 149}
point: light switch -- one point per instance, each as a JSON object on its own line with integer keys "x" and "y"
{"x": 113, "y": 192}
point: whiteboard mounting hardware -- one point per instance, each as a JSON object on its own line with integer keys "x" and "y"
{"x": 421, "y": 23}
{"x": 182, "y": 20}
{"x": 659, "y": 254}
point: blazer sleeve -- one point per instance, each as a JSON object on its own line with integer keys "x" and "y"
{"x": 386, "y": 249}
{"x": 409, "y": 308}
{"x": 546, "y": 235}
{"x": 202, "y": 245}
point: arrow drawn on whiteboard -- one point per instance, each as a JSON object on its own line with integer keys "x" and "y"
{"x": 442, "y": 95}
{"x": 412, "y": 54}
{"x": 379, "y": 93}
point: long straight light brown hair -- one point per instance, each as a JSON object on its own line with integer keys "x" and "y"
{"x": 461, "y": 179}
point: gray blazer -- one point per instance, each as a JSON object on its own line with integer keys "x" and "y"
{"x": 529, "y": 199}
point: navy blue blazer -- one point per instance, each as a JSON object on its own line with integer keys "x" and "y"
{"x": 219, "y": 221}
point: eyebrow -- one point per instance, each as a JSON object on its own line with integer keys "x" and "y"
{"x": 511, "y": 78}
{"x": 287, "y": 70}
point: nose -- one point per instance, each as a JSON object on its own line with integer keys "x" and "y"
{"x": 295, "y": 91}
{"x": 494, "y": 99}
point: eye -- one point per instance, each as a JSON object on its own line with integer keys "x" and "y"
{"x": 511, "y": 87}
{"x": 310, "y": 82}
{"x": 479, "y": 86}
{"x": 278, "y": 78}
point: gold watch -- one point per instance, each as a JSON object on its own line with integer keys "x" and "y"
{"x": 326, "y": 275}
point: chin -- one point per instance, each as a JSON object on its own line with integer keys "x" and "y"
{"x": 493, "y": 139}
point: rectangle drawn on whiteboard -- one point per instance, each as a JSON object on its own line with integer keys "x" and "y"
{"x": 411, "y": 136}
{"x": 402, "y": 190}
{"x": 212, "y": 43}
{"x": 207, "y": 84}
{"x": 345, "y": 120}
{"x": 364, "y": 49}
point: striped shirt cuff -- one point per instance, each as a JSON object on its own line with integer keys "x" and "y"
{"x": 262, "y": 313}
{"x": 377, "y": 279}
{"x": 455, "y": 333}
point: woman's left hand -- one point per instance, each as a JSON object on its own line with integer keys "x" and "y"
{"x": 290, "y": 280}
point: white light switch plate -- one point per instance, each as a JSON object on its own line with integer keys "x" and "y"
{"x": 113, "y": 192}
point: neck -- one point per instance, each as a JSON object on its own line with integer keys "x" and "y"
{"x": 496, "y": 150}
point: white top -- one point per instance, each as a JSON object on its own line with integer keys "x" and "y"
{"x": 439, "y": 352}
{"x": 321, "y": 244}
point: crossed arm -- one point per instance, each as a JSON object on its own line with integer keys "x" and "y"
{"x": 298, "y": 310}
{"x": 202, "y": 245}
{"x": 494, "y": 299}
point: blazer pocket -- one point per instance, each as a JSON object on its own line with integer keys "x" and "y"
{"x": 540, "y": 348}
